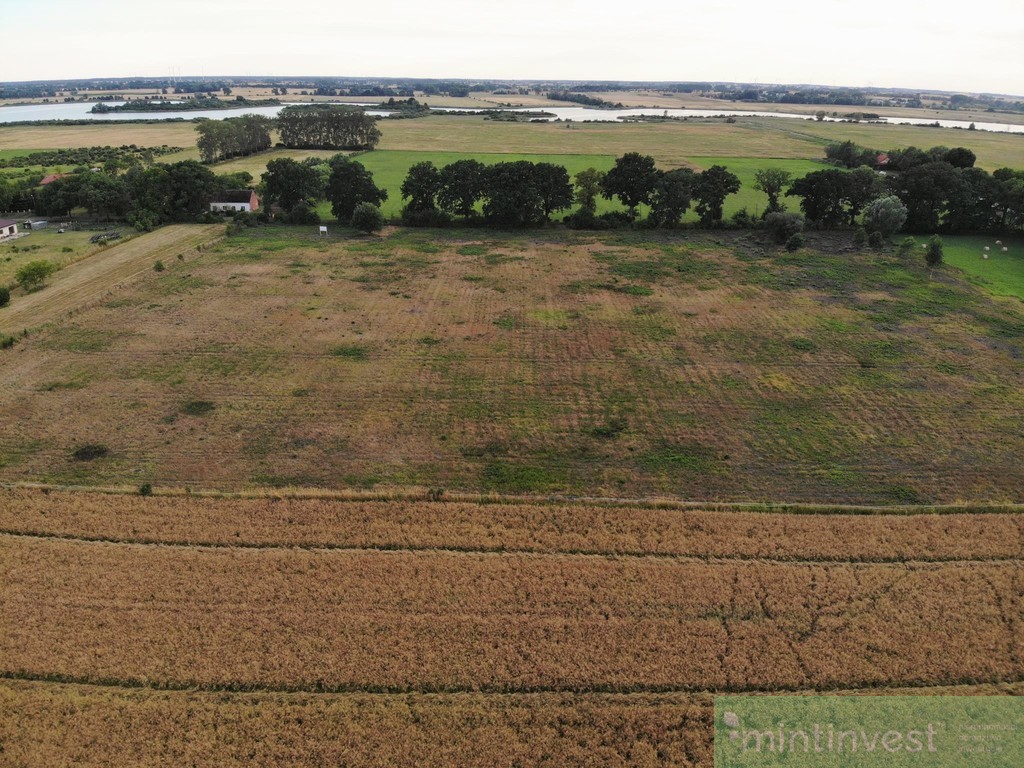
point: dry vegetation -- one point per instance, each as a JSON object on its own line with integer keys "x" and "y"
{"x": 719, "y": 533}
{"x": 631, "y": 365}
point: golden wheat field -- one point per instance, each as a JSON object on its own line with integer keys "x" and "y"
{"x": 221, "y": 631}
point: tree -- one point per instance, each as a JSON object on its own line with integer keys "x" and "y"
{"x": 33, "y": 274}
{"x": 552, "y": 183}
{"x": 850, "y": 155}
{"x": 823, "y": 196}
{"x": 885, "y": 214}
{"x": 713, "y": 186}
{"x": 960, "y": 157}
{"x": 926, "y": 191}
{"x": 290, "y": 183}
{"x": 462, "y": 186}
{"x": 933, "y": 253}
{"x": 862, "y": 186}
{"x": 973, "y": 205}
{"x": 5, "y": 296}
{"x": 327, "y": 127}
{"x": 350, "y": 184}
{"x": 588, "y": 187}
{"x": 511, "y": 197}
{"x": 671, "y": 197}
{"x": 421, "y": 185}
{"x": 191, "y": 186}
{"x": 632, "y": 180}
{"x": 367, "y": 218}
{"x": 771, "y": 181}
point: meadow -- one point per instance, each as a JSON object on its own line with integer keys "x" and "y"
{"x": 1001, "y": 273}
{"x": 711, "y": 367}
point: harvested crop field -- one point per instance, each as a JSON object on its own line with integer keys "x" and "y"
{"x": 301, "y": 630}
{"x": 631, "y": 365}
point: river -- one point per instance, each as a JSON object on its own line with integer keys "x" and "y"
{"x": 80, "y": 111}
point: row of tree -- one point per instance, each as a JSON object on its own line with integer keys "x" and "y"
{"x": 178, "y": 192}
{"x": 233, "y": 137}
{"x": 850, "y": 155}
{"x": 327, "y": 127}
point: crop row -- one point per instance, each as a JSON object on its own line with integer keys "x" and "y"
{"x": 568, "y": 528}
{"x": 289, "y": 619}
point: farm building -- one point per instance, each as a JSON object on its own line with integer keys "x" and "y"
{"x": 50, "y": 178}
{"x": 235, "y": 200}
{"x": 36, "y": 224}
{"x": 8, "y": 228}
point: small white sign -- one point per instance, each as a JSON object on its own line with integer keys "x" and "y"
{"x": 323, "y": 230}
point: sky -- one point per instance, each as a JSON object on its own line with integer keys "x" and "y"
{"x": 976, "y": 46}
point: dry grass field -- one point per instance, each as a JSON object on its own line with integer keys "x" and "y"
{"x": 100, "y": 273}
{"x": 305, "y": 631}
{"x": 692, "y": 366}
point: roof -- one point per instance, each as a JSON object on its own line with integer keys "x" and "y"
{"x": 882, "y": 159}
{"x": 235, "y": 196}
{"x": 7, "y": 222}
{"x": 52, "y": 178}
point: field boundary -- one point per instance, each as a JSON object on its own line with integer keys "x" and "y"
{"x": 421, "y": 494}
{"x": 326, "y": 547}
{"x": 397, "y": 690}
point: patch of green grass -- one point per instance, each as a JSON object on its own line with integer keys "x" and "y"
{"x": 1001, "y": 273}
{"x": 357, "y": 352}
{"x": 509, "y": 477}
{"x": 198, "y": 408}
{"x": 669, "y": 458}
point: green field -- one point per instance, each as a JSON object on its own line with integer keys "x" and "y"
{"x": 1001, "y": 273}
{"x": 745, "y": 167}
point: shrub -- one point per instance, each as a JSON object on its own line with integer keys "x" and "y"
{"x": 876, "y": 240}
{"x": 158, "y": 266}
{"x": 783, "y": 225}
{"x": 933, "y": 253}
{"x": 743, "y": 219}
{"x": 197, "y": 407}
{"x": 5, "y": 296}
{"x": 90, "y": 451}
{"x": 302, "y": 214}
{"x": 6, "y": 342}
{"x": 367, "y": 218}
{"x": 860, "y": 237}
{"x": 907, "y": 246}
{"x": 885, "y": 214}
{"x": 32, "y": 275}
{"x": 431, "y": 217}
{"x": 146, "y": 489}
{"x": 795, "y": 243}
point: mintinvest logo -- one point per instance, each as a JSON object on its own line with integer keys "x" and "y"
{"x": 891, "y": 731}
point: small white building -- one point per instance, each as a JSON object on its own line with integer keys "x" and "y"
{"x": 8, "y": 228}
{"x": 235, "y": 201}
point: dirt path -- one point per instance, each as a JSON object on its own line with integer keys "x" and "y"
{"x": 94, "y": 278}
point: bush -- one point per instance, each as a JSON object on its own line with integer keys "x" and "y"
{"x": 6, "y": 342}
{"x": 933, "y": 253}
{"x": 885, "y": 214}
{"x": 367, "y": 218}
{"x": 743, "y": 220}
{"x": 425, "y": 218}
{"x": 907, "y": 246}
{"x": 32, "y": 275}
{"x": 876, "y": 240}
{"x": 795, "y": 242}
{"x": 90, "y": 451}
{"x": 146, "y": 489}
{"x": 302, "y": 214}
{"x": 860, "y": 237}
{"x": 784, "y": 225}
{"x": 158, "y": 266}
{"x": 5, "y": 296}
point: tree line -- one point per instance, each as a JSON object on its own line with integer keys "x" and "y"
{"x": 233, "y": 137}
{"x": 327, "y": 127}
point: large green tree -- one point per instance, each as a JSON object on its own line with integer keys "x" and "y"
{"x": 349, "y": 185}
{"x": 671, "y": 197}
{"x": 289, "y": 183}
{"x": 771, "y": 181}
{"x": 461, "y": 186}
{"x": 632, "y": 180}
{"x": 588, "y": 187}
{"x": 712, "y": 187}
{"x": 553, "y": 185}
{"x": 511, "y": 197}
{"x": 421, "y": 185}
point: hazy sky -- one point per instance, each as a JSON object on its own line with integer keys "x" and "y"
{"x": 976, "y": 46}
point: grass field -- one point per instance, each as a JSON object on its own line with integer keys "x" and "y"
{"x": 49, "y": 245}
{"x": 99, "y": 273}
{"x": 456, "y": 633}
{"x": 633, "y": 364}
{"x": 1001, "y": 273}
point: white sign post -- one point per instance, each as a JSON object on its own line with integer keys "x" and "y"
{"x": 323, "y": 231}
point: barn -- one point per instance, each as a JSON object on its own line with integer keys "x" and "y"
{"x": 8, "y": 228}
{"x": 235, "y": 200}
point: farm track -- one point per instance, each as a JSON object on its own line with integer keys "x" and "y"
{"x": 89, "y": 280}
